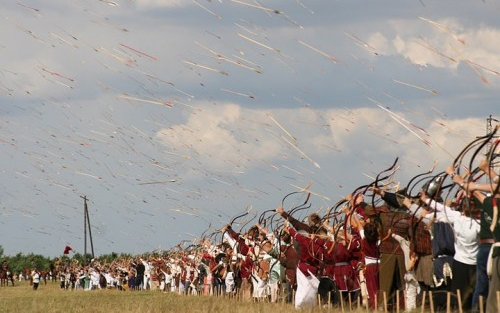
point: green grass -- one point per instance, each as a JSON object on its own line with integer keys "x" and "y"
{"x": 51, "y": 299}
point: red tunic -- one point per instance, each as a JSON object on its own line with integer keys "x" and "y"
{"x": 290, "y": 261}
{"x": 372, "y": 255}
{"x": 242, "y": 246}
{"x": 247, "y": 264}
{"x": 338, "y": 267}
{"x": 310, "y": 256}
{"x": 345, "y": 275}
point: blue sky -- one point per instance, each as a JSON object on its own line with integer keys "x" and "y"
{"x": 171, "y": 116}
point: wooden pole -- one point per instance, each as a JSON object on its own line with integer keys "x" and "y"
{"x": 84, "y": 230}
{"x": 423, "y": 301}
{"x": 362, "y": 286}
{"x": 481, "y": 304}
{"x": 385, "y": 302}
{"x": 350, "y": 301}
{"x": 397, "y": 301}
{"x": 431, "y": 301}
{"x": 283, "y": 298}
{"x": 498, "y": 298}
{"x": 341, "y": 302}
{"x": 405, "y": 300}
{"x": 459, "y": 298}
{"x": 90, "y": 230}
{"x": 448, "y": 302}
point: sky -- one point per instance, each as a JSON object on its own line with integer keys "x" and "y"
{"x": 173, "y": 117}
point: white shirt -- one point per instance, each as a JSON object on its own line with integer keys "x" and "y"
{"x": 175, "y": 269}
{"x": 94, "y": 276}
{"x": 405, "y": 246}
{"x": 147, "y": 268}
{"x": 418, "y": 211}
{"x": 36, "y": 277}
{"x": 466, "y": 232}
{"x": 168, "y": 278}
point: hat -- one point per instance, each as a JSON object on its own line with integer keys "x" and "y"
{"x": 431, "y": 187}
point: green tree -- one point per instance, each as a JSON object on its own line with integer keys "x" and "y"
{"x": 19, "y": 262}
{"x": 79, "y": 257}
{"x": 108, "y": 257}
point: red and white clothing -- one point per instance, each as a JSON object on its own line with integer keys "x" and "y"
{"x": 311, "y": 253}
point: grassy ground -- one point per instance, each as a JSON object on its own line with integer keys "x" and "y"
{"x": 51, "y": 299}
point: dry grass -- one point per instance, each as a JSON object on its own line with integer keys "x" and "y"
{"x": 50, "y": 298}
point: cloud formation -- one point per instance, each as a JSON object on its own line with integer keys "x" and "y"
{"x": 444, "y": 43}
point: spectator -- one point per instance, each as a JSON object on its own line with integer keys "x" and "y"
{"x": 35, "y": 275}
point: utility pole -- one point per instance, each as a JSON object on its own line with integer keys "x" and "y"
{"x": 90, "y": 231}
{"x": 84, "y": 230}
{"x": 489, "y": 130}
{"x": 489, "y": 145}
{"x": 86, "y": 223}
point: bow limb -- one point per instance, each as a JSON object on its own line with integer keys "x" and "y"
{"x": 306, "y": 189}
{"x": 334, "y": 209}
{"x": 479, "y": 143}
{"x": 377, "y": 178}
{"x": 481, "y": 146}
{"x": 409, "y": 188}
{"x": 469, "y": 146}
{"x": 495, "y": 190}
{"x": 247, "y": 222}
{"x": 298, "y": 208}
{"x": 247, "y": 210}
{"x": 202, "y": 236}
{"x": 263, "y": 214}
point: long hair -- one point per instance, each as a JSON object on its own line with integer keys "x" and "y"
{"x": 371, "y": 233}
{"x": 469, "y": 208}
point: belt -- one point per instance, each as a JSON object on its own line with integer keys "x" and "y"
{"x": 487, "y": 240}
{"x": 341, "y": 264}
{"x": 370, "y": 260}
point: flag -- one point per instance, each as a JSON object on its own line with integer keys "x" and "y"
{"x": 67, "y": 249}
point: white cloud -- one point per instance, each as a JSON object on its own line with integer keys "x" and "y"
{"x": 225, "y": 135}
{"x": 222, "y": 135}
{"x": 444, "y": 43}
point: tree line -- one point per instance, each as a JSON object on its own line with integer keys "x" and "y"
{"x": 20, "y": 261}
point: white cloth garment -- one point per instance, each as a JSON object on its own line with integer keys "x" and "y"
{"x": 307, "y": 290}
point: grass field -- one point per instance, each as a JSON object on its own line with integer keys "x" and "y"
{"x": 50, "y": 299}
